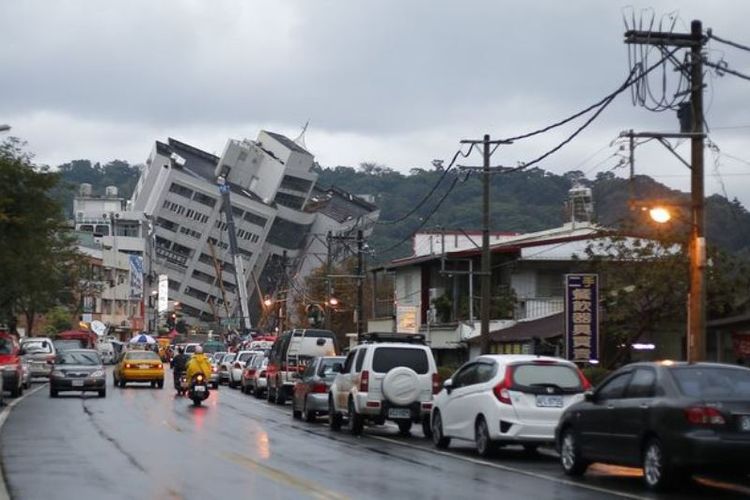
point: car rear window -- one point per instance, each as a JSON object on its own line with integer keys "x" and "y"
{"x": 6, "y": 346}
{"x": 245, "y": 356}
{"x": 387, "y": 358}
{"x": 142, "y": 355}
{"x": 326, "y": 366}
{"x": 541, "y": 375}
{"x": 37, "y": 347}
{"x": 712, "y": 382}
{"x": 78, "y": 358}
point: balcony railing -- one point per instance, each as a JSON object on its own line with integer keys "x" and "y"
{"x": 531, "y": 308}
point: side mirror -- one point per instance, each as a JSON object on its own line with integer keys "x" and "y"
{"x": 589, "y": 396}
{"x": 448, "y": 385}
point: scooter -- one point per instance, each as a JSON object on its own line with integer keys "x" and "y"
{"x": 180, "y": 384}
{"x": 198, "y": 389}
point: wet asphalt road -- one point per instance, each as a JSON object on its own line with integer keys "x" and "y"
{"x": 145, "y": 443}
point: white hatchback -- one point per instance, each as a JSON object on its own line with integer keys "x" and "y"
{"x": 495, "y": 400}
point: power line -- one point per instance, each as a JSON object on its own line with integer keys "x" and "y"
{"x": 727, "y": 42}
{"x": 721, "y": 67}
{"x": 427, "y": 196}
{"x": 425, "y": 219}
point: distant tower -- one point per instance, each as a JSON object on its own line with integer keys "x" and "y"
{"x": 580, "y": 204}
{"x": 300, "y": 140}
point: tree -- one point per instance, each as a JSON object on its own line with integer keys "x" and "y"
{"x": 36, "y": 249}
{"x": 58, "y": 319}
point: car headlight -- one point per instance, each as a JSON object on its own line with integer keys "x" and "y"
{"x": 97, "y": 373}
{"x": 57, "y": 373}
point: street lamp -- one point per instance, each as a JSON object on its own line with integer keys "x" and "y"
{"x": 696, "y": 328}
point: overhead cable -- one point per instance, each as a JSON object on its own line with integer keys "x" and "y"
{"x": 727, "y": 42}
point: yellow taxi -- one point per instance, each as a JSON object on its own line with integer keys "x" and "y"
{"x": 139, "y": 366}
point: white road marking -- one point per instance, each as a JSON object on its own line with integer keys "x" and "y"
{"x": 4, "y": 493}
{"x": 507, "y": 468}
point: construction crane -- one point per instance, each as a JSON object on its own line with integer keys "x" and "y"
{"x": 239, "y": 266}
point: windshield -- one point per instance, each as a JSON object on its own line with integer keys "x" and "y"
{"x": 37, "y": 347}
{"x": 229, "y": 358}
{"x": 63, "y": 345}
{"x": 6, "y": 346}
{"x": 713, "y": 382}
{"x": 78, "y": 358}
{"x": 563, "y": 376}
{"x": 245, "y": 356}
{"x": 326, "y": 366}
{"x": 387, "y": 358}
{"x": 142, "y": 355}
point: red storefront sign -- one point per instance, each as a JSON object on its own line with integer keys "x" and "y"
{"x": 741, "y": 344}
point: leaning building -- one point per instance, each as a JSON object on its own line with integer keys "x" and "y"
{"x": 274, "y": 197}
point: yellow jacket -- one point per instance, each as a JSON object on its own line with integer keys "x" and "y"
{"x": 198, "y": 364}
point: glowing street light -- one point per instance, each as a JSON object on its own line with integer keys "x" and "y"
{"x": 333, "y": 301}
{"x": 268, "y": 302}
{"x": 660, "y": 215}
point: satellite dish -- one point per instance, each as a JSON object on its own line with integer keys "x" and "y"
{"x": 98, "y": 328}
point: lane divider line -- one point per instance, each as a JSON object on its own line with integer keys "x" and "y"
{"x": 280, "y": 476}
{"x": 4, "y": 493}
{"x": 516, "y": 470}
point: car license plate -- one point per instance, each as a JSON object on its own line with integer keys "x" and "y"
{"x": 399, "y": 413}
{"x": 145, "y": 367}
{"x": 77, "y": 383}
{"x": 745, "y": 423}
{"x": 200, "y": 388}
{"x": 549, "y": 401}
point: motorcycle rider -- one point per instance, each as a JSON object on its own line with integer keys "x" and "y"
{"x": 179, "y": 366}
{"x": 198, "y": 364}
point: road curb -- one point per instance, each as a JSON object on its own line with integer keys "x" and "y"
{"x": 4, "y": 493}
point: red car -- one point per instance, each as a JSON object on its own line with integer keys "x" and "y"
{"x": 10, "y": 365}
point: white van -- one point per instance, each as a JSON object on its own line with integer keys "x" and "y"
{"x": 106, "y": 351}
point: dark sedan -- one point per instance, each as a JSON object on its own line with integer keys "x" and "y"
{"x": 670, "y": 418}
{"x": 78, "y": 370}
{"x": 310, "y": 397}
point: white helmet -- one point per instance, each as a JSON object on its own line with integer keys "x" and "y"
{"x": 199, "y": 349}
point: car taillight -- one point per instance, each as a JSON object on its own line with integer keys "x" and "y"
{"x": 250, "y": 373}
{"x": 160, "y": 366}
{"x": 364, "y": 381}
{"x": 584, "y": 381}
{"x": 502, "y": 390}
{"x": 128, "y": 365}
{"x": 435, "y": 383}
{"x": 213, "y": 369}
{"x": 704, "y": 415}
{"x": 319, "y": 388}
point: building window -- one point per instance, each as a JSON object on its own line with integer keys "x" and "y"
{"x": 238, "y": 212}
{"x": 192, "y": 292}
{"x": 289, "y": 200}
{"x": 204, "y": 277}
{"x": 549, "y": 284}
{"x": 181, "y": 190}
{"x": 190, "y": 232}
{"x": 127, "y": 229}
{"x": 205, "y": 199}
{"x": 295, "y": 184}
{"x": 255, "y": 219}
{"x": 167, "y": 224}
{"x": 246, "y": 253}
{"x": 222, "y": 226}
{"x": 182, "y": 250}
{"x": 174, "y": 285}
{"x": 163, "y": 242}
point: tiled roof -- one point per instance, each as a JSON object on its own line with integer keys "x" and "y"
{"x": 338, "y": 204}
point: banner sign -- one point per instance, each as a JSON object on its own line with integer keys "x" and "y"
{"x": 406, "y": 319}
{"x": 582, "y": 317}
{"x": 136, "y": 276}
{"x": 163, "y": 304}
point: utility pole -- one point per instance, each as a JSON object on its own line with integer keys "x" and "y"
{"x": 486, "y": 272}
{"x": 360, "y": 284}
{"x": 328, "y": 309}
{"x": 696, "y": 328}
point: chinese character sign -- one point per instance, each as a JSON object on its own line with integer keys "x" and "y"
{"x": 163, "y": 302}
{"x": 582, "y": 316}
{"x": 136, "y": 277}
{"x": 406, "y": 317}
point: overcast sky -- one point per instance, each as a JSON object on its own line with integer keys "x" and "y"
{"x": 395, "y": 82}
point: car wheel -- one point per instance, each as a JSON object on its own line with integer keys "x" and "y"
{"x": 215, "y": 385}
{"x": 16, "y": 391}
{"x": 438, "y": 438}
{"x": 482, "y": 440}
{"x": 280, "y": 396}
{"x": 258, "y": 393}
{"x": 270, "y": 397}
{"x": 160, "y": 384}
{"x": 334, "y": 418}
{"x": 53, "y": 393}
{"x": 658, "y": 473}
{"x": 571, "y": 460}
{"x": 153, "y": 384}
{"x": 404, "y": 427}
{"x": 356, "y": 421}
{"x": 426, "y": 427}
{"x": 307, "y": 416}
{"x": 103, "y": 393}
{"x": 296, "y": 414}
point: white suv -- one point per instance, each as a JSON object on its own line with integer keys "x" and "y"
{"x": 391, "y": 380}
{"x": 506, "y": 399}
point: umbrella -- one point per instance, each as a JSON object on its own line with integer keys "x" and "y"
{"x": 143, "y": 339}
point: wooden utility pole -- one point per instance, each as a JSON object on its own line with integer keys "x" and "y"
{"x": 486, "y": 272}
{"x": 696, "y": 328}
{"x": 360, "y": 284}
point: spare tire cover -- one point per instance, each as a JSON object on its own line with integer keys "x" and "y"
{"x": 401, "y": 386}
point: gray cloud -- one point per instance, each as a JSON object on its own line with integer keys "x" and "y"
{"x": 390, "y": 81}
